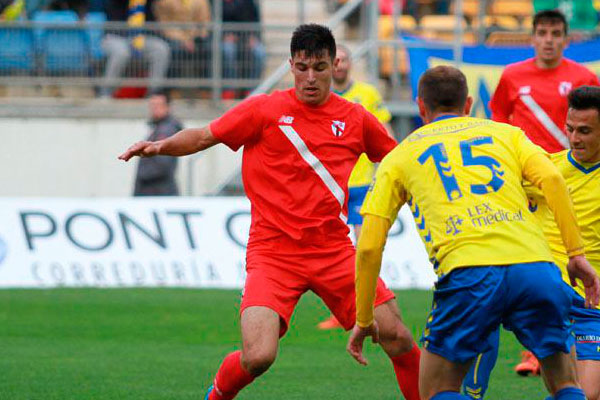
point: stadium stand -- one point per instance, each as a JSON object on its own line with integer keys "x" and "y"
{"x": 506, "y": 22}
{"x": 405, "y": 24}
{"x": 516, "y": 8}
{"x": 442, "y": 28}
{"x": 17, "y": 50}
{"x": 59, "y": 48}
{"x": 95, "y": 31}
{"x": 31, "y": 57}
{"x": 77, "y": 53}
{"x": 508, "y": 39}
{"x": 470, "y": 8}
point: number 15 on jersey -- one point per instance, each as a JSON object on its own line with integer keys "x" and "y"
{"x": 437, "y": 152}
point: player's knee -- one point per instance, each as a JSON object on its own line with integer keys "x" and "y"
{"x": 396, "y": 339}
{"x": 258, "y": 362}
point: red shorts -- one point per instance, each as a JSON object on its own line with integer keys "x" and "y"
{"x": 277, "y": 280}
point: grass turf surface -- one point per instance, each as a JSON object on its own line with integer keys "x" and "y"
{"x": 168, "y": 343}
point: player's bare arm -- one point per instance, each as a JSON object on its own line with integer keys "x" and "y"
{"x": 185, "y": 142}
{"x": 357, "y": 338}
{"x": 579, "y": 268}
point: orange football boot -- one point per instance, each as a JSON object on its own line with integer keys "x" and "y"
{"x": 529, "y": 364}
{"x": 330, "y": 323}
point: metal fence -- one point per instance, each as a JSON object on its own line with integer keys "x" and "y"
{"x": 59, "y": 49}
{"x": 111, "y": 54}
{"x": 56, "y": 48}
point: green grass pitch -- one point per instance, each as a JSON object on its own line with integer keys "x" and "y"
{"x": 167, "y": 344}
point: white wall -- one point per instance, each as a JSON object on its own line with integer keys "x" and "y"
{"x": 78, "y": 157}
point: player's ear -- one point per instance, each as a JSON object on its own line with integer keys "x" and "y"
{"x": 468, "y": 105}
{"x": 421, "y": 105}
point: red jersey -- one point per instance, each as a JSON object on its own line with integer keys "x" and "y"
{"x": 535, "y": 99}
{"x": 297, "y": 160}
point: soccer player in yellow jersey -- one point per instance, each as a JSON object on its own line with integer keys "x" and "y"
{"x": 368, "y": 96}
{"x": 358, "y": 184}
{"x": 488, "y": 250}
{"x": 580, "y": 167}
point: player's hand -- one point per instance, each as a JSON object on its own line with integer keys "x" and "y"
{"x": 357, "y": 337}
{"x": 140, "y": 149}
{"x": 579, "y": 267}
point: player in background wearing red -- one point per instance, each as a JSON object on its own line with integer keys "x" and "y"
{"x": 532, "y": 95}
{"x": 300, "y": 146}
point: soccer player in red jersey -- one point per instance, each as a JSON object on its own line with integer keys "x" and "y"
{"x": 300, "y": 146}
{"x": 532, "y": 94}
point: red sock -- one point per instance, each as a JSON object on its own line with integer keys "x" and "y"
{"x": 231, "y": 378}
{"x": 406, "y": 367}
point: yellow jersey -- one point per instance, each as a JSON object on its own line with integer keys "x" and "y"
{"x": 463, "y": 179}
{"x": 367, "y": 96}
{"x": 583, "y": 181}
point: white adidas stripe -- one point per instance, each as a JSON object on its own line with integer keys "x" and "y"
{"x": 545, "y": 120}
{"x": 316, "y": 165}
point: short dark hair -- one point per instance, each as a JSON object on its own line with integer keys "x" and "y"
{"x": 443, "y": 88}
{"x": 584, "y": 98}
{"x": 164, "y": 93}
{"x": 313, "y": 40}
{"x": 550, "y": 17}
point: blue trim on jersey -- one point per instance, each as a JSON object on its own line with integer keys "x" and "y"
{"x": 343, "y": 92}
{"x": 443, "y": 117}
{"x": 579, "y": 166}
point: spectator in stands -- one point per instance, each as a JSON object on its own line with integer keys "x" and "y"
{"x": 243, "y": 51}
{"x": 442, "y": 7}
{"x": 418, "y": 9}
{"x": 188, "y": 46}
{"x": 31, "y": 6}
{"x": 121, "y": 45}
{"x": 156, "y": 175}
{"x": 386, "y": 7}
{"x": 11, "y": 10}
{"x": 580, "y": 14}
{"x": 79, "y": 6}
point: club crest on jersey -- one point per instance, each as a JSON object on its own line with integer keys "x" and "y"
{"x": 337, "y": 127}
{"x": 564, "y": 88}
{"x": 286, "y": 119}
{"x": 525, "y": 90}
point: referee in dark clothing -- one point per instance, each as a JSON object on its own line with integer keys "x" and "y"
{"x": 156, "y": 175}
